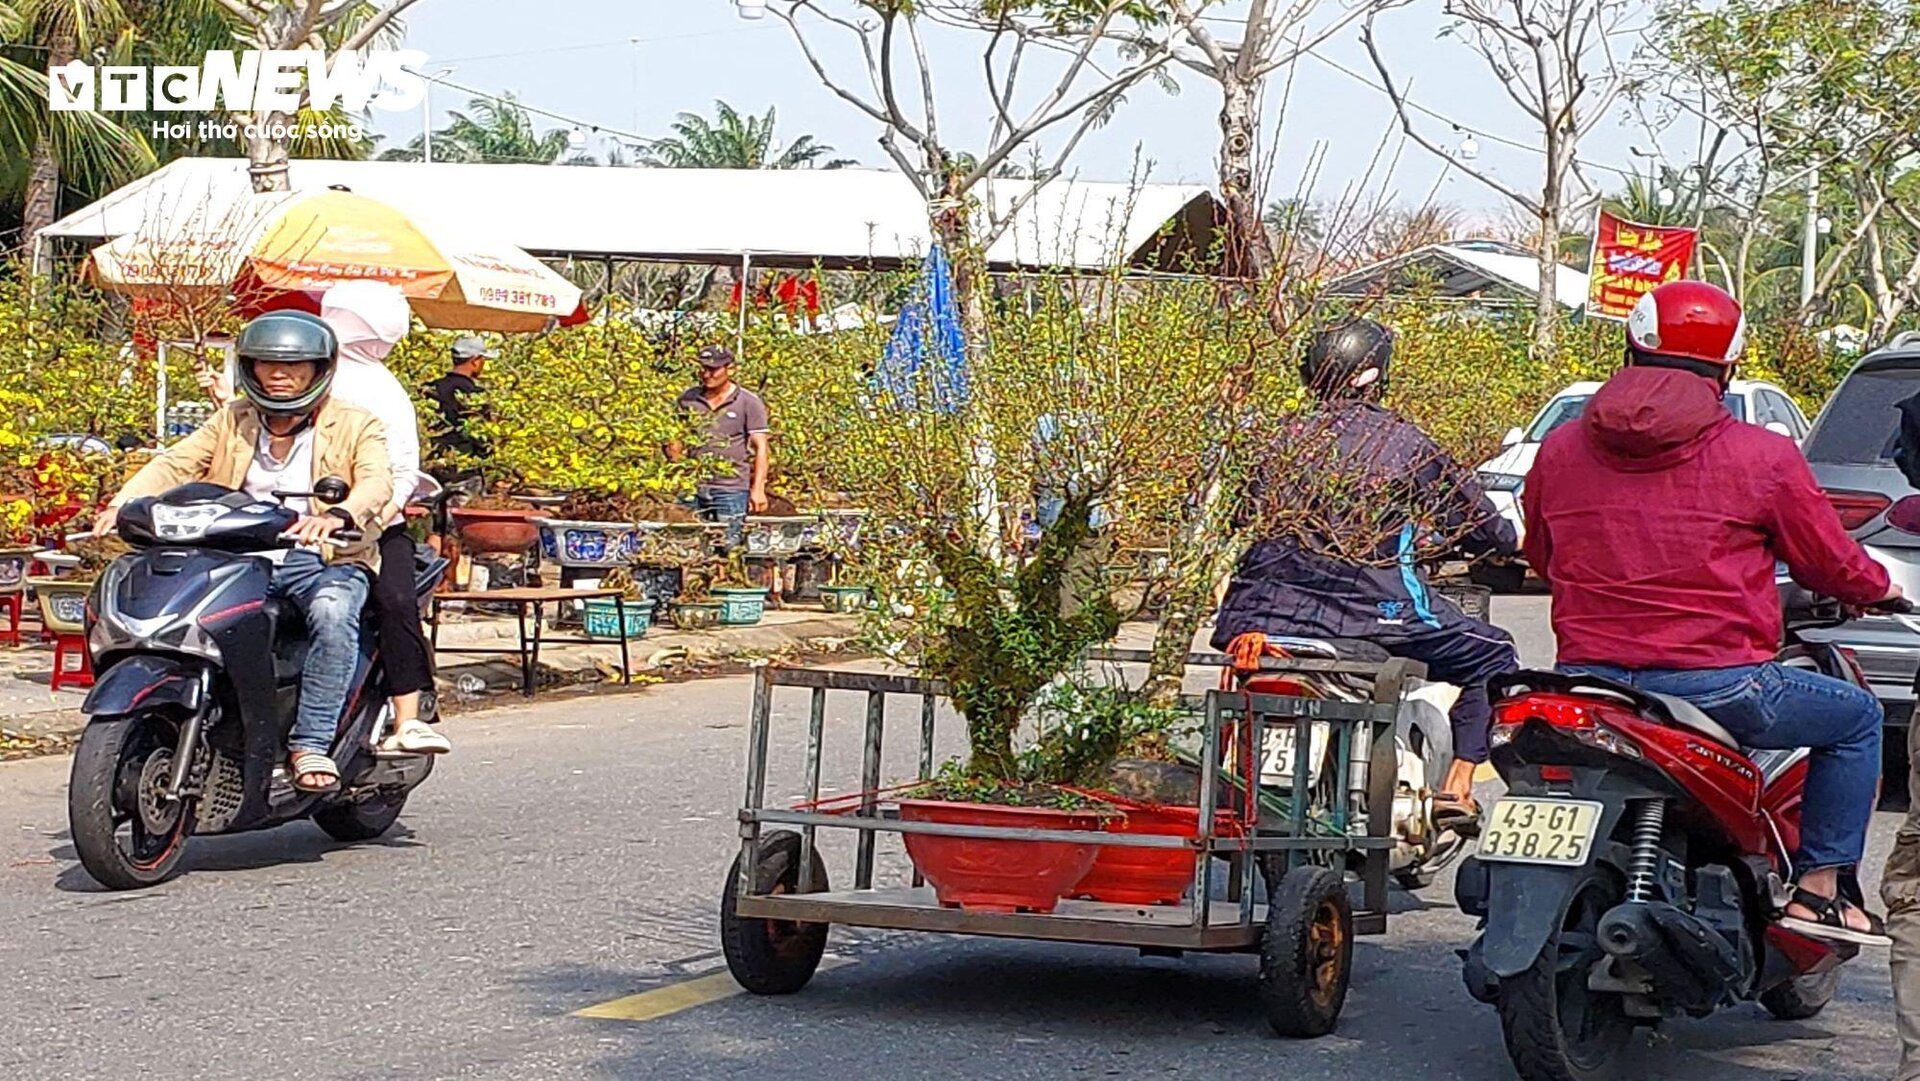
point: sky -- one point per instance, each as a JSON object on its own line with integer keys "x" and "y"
{"x": 629, "y": 66}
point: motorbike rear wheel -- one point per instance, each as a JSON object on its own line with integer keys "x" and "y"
{"x": 127, "y": 834}
{"x": 1800, "y": 999}
{"x": 1555, "y": 1028}
{"x": 362, "y": 820}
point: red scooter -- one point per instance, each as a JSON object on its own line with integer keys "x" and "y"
{"x": 1636, "y": 867}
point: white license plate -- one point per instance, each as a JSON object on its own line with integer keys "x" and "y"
{"x": 1550, "y": 831}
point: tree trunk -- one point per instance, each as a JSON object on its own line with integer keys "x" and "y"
{"x": 267, "y": 154}
{"x": 1546, "y": 306}
{"x": 42, "y": 204}
{"x": 1249, "y": 249}
{"x": 950, "y": 227}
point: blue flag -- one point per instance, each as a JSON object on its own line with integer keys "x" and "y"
{"x": 927, "y": 348}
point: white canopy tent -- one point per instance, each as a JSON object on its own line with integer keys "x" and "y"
{"x": 851, "y": 218}
{"x": 1485, "y": 272}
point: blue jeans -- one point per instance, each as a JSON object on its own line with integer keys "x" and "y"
{"x": 1774, "y": 707}
{"x": 724, "y": 506}
{"x": 330, "y": 598}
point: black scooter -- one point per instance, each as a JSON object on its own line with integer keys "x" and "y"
{"x": 197, "y": 675}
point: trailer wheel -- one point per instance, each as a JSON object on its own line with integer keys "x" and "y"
{"x": 772, "y": 957}
{"x": 1306, "y": 959}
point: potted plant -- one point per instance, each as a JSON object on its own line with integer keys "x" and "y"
{"x": 602, "y": 616}
{"x": 496, "y": 524}
{"x": 742, "y": 603}
{"x": 63, "y": 600}
{"x": 590, "y": 531}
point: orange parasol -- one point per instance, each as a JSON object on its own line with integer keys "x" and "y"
{"x": 285, "y": 248}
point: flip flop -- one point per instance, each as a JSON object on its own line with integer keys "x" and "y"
{"x": 414, "y": 737}
{"x": 1830, "y": 922}
{"x": 305, "y": 763}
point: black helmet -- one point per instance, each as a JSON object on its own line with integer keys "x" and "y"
{"x": 287, "y": 337}
{"x": 1340, "y": 355}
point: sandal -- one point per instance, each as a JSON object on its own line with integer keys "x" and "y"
{"x": 414, "y": 737}
{"x": 1830, "y": 923}
{"x": 314, "y": 764}
{"x": 1460, "y": 814}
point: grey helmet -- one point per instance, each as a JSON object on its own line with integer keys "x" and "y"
{"x": 287, "y": 336}
{"x": 1340, "y": 355}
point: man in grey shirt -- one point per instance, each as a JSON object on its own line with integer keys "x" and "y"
{"x": 736, "y": 432}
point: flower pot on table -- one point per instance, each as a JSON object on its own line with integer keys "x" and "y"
{"x": 741, "y": 606}
{"x": 63, "y": 603}
{"x": 778, "y": 537}
{"x": 496, "y": 532}
{"x": 601, "y": 617}
{"x": 569, "y": 543}
{"x": 59, "y": 564}
{"x": 999, "y": 875}
{"x": 13, "y": 568}
{"x": 660, "y": 583}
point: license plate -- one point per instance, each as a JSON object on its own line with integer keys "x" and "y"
{"x": 1551, "y": 831}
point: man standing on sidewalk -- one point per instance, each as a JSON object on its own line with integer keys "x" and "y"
{"x": 735, "y": 431}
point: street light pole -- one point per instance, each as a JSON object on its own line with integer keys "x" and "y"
{"x": 426, "y": 114}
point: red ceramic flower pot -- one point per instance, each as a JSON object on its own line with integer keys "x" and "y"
{"x": 1145, "y": 876}
{"x": 993, "y": 875}
{"x": 496, "y": 532}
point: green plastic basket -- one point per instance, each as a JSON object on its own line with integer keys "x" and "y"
{"x": 602, "y": 618}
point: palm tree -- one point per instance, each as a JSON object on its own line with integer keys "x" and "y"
{"x": 734, "y": 142}
{"x": 498, "y": 130}
{"x": 58, "y": 148}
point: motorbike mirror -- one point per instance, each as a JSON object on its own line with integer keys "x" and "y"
{"x": 330, "y": 489}
{"x": 1905, "y": 515}
{"x": 1513, "y": 437}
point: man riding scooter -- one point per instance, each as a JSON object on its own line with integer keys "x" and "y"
{"x": 1368, "y": 473}
{"x": 1657, "y": 520}
{"x": 283, "y": 435}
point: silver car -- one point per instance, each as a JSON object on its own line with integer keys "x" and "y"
{"x": 1851, "y": 451}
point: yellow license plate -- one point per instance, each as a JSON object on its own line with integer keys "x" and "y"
{"x": 1552, "y": 831}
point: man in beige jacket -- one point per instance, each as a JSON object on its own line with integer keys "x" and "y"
{"x": 283, "y": 435}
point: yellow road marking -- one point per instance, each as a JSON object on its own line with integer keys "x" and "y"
{"x": 675, "y": 997}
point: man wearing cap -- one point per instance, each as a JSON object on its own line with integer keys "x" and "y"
{"x": 451, "y": 393}
{"x": 734, "y": 421}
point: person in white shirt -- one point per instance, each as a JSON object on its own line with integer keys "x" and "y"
{"x": 370, "y": 318}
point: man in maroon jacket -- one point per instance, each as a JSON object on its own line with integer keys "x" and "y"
{"x": 1657, "y": 520}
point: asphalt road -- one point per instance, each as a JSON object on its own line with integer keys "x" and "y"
{"x": 572, "y": 853}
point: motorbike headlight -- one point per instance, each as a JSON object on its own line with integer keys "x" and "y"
{"x": 185, "y": 523}
{"x": 1501, "y": 482}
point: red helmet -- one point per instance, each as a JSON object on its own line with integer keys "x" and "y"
{"x": 1691, "y": 321}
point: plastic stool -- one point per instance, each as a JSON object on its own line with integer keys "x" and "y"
{"x": 13, "y": 604}
{"x": 63, "y": 645}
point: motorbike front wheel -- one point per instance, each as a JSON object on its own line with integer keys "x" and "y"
{"x": 1556, "y": 1029}
{"x": 128, "y": 834}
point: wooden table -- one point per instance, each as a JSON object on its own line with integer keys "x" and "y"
{"x": 536, "y": 598}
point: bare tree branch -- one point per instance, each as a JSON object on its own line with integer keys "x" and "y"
{"x": 374, "y": 25}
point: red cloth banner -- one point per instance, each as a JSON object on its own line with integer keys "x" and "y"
{"x": 1630, "y": 260}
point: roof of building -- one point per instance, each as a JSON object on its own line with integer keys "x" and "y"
{"x": 795, "y": 217}
{"x": 1467, "y": 268}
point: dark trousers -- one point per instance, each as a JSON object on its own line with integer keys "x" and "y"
{"x": 1466, "y": 653}
{"x": 403, "y": 645}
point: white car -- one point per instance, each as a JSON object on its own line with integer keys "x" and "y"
{"x": 1504, "y": 475}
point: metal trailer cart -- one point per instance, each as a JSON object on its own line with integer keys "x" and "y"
{"x": 778, "y": 903}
